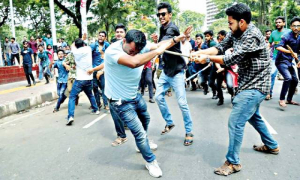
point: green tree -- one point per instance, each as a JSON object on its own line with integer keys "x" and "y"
{"x": 220, "y": 24}
{"x": 191, "y": 18}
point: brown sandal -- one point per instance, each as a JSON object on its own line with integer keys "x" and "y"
{"x": 119, "y": 141}
{"x": 167, "y": 129}
{"x": 292, "y": 103}
{"x": 266, "y": 149}
{"x": 228, "y": 169}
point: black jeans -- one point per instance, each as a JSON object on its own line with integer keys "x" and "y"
{"x": 147, "y": 79}
{"x": 290, "y": 81}
{"x": 28, "y": 72}
{"x": 13, "y": 56}
{"x": 212, "y": 79}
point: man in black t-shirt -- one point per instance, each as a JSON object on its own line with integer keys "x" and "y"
{"x": 172, "y": 75}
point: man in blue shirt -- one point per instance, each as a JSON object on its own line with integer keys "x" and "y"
{"x": 123, "y": 64}
{"x": 98, "y": 50}
{"x": 48, "y": 40}
{"x": 284, "y": 62}
{"x": 63, "y": 43}
{"x": 62, "y": 79}
{"x": 26, "y": 60}
{"x": 44, "y": 62}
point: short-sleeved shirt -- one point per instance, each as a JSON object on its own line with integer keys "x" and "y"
{"x": 197, "y": 67}
{"x": 26, "y": 53}
{"x": 251, "y": 55}
{"x": 121, "y": 82}
{"x": 70, "y": 60}
{"x": 186, "y": 49}
{"x": 64, "y": 44}
{"x": 33, "y": 46}
{"x": 212, "y": 43}
{"x": 276, "y": 38}
{"x": 6, "y": 47}
{"x": 44, "y": 59}
{"x": 193, "y": 43}
{"x": 172, "y": 64}
{"x": 14, "y": 47}
{"x": 62, "y": 72}
{"x": 83, "y": 59}
{"x": 293, "y": 42}
{"x": 48, "y": 41}
{"x": 96, "y": 54}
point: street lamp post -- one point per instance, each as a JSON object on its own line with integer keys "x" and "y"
{"x": 53, "y": 28}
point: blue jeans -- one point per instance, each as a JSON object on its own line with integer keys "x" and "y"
{"x": 102, "y": 87}
{"x": 119, "y": 124}
{"x": 7, "y": 55}
{"x": 274, "y": 73}
{"x": 96, "y": 89}
{"x": 78, "y": 86}
{"x": 61, "y": 88}
{"x": 40, "y": 72}
{"x": 246, "y": 108}
{"x": 134, "y": 114}
{"x": 290, "y": 81}
{"x": 178, "y": 84}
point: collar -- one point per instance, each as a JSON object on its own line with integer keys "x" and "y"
{"x": 166, "y": 27}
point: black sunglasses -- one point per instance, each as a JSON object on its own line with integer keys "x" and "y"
{"x": 163, "y": 14}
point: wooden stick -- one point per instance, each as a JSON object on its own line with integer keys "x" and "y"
{"x": 192, "y": 76}
{"x": 176, "y": 53}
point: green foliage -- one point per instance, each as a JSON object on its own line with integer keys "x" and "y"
{"x": 218, "y": 25}
{"x": 191, "y": 18}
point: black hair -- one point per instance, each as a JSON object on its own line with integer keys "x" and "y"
{"x": 280, "y": 17}
{"x": 13, "y": 38}
{"x": 79, "y": 43}
{"x": 103, "y": 32}
{"x": 268, "y": 30}
{"x": 60, "y": 50}
{"x": 210, "y": 32}
{"x": 120, "y": 26}
{"x": 222, "y": 32}
{"x": 240, "y": 11}
{"x": 294, "y": 20}
{"x": 138, "y": 37}
{"x": 6, "y": 37}
{"x": 164, "y": 5}
{"x": 38, "y": 37}
{"x": 62, "y": 38}
{"x": 41, "y": 46}
{"x": 199, "y": 35}
{"x": 25, "y": 42}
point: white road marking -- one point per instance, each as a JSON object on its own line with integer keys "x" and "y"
{"x": 270, "y": 128}
{"x": 17, "y": 119}
{"x": 93, "y": 122}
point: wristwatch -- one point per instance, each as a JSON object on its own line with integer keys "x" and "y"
{"x": 207, "y": 59}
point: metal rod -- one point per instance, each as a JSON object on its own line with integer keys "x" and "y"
{"x": 192, "y": 76}
{"x": 176, "y": 53}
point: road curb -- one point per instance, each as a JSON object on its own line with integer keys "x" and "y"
{"x": 26, "y": 103}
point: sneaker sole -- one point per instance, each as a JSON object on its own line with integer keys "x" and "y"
{"x": 152, "y": 174}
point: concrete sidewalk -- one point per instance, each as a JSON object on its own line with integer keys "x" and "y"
{"x": 15, "y": 97}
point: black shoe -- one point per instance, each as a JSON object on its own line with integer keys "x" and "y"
{"x": 205, "y": 92}
{"x": 221, "y": 102}
{"x": 34, "y": 83}
{"x": 151, "y": 100}
{"x": 28, "y": 85}
{"x": 55, "y": 110}
{"x": 47, "y": 82}
{"x": 215, "y": 97}
{"x": 193, "y": 89}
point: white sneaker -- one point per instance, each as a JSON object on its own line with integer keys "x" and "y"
{"x": 152, "y": 145}
{"x": 70, "y": 121}
{"x": 96, "y": 113}
{"x": 154, "y": 169}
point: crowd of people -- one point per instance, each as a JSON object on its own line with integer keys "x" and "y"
{"x": 243, "y": 61}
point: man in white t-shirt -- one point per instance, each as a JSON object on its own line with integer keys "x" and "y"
{"x": 83, "y": 82}
{"x": 123, "y": 65}
{"x": 186, "y": 49}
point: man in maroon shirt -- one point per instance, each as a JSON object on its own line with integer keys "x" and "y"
{"x": 33, "y": 45}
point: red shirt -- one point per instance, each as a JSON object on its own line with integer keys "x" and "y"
{"x": 33, "y": 46}
{"x": 148, "y": 65}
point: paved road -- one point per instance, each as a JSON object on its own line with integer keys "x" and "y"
{"x": 37, "y": 145}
